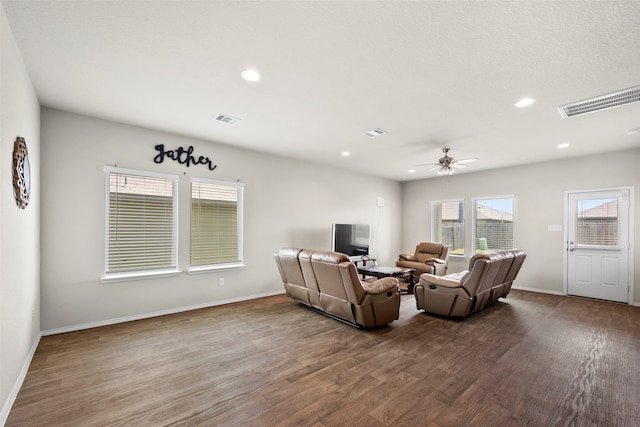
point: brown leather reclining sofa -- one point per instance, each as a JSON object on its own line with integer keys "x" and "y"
{"x": 489, "y": 277}
{"x": 328, "y": 282}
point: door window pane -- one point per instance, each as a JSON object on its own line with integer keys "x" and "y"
{"x": 597, "y": 222}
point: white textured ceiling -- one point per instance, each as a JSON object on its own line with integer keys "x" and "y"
{"x": 431, "y": 74}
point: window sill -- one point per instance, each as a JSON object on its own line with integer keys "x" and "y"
{"x": 125, "y": 277}
{"x": 213, "y": 268}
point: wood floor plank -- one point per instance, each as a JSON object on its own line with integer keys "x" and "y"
{"x": 530, "y": 360}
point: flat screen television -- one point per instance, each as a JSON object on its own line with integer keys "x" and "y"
{"x": 351, "y": 239}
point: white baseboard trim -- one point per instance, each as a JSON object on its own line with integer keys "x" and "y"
{"x": 545, "y": 291}
{"x": 542, "y": 291}
{"x": 156, "y": 314}
{"x": 8, "y": 404}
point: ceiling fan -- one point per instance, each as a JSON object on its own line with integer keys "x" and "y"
{"x": 447, "y": 165}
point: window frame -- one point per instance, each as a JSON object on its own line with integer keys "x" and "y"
{"x": 474, "y": 215}
{"x": 239, "y": 263}
{"x": 172, "y": 270}
{"x": 434, "y": 233}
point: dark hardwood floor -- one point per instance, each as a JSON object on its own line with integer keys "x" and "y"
{"x": 530, "y": 360}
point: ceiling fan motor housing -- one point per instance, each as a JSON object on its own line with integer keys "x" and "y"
{"x": 446, "y": 160}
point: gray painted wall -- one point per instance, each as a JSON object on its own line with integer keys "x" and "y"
{"x": 539, "y": 191}
{"x": 19, "y": 228}
{"x": 287, "y": 203}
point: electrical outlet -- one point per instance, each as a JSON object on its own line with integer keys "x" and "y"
{"x": 221, "y": 282}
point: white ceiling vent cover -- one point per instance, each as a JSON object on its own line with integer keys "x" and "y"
{"x": 374, "y": 132}
{"x": 602, "y": 102}
{"x": 227, "y": 119}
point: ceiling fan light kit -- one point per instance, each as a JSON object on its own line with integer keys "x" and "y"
{"x": 446, "y": 170}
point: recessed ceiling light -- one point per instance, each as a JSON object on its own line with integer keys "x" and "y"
{"x": 250, "y": 75}
{"x": 563, "y": 145}
{"x": 411, "y": 171}
{"x": 633, "y": 131}
{"x": 345, "y": 154}
{"x": 524, "y": 102}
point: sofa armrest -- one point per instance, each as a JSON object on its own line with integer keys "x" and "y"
{"x": 407, "y": 257}
{"x": 380, "y": 286}
{"x": 445, "y": 281}
{"x": 436, "y": 260}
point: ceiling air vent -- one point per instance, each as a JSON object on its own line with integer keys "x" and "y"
{"x": 602, "y": 102}
{"x": 227, "y": 119}
{"x": 374, "y": 132}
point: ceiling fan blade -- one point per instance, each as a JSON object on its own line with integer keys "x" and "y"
{"x": 466, "y": 160}
{"x": 429, "y": 164}
{"x": 434, "y": 168}
{"x": 455, "y": 165}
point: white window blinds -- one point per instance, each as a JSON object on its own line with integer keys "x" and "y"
{"x": 141, "y": 217}
{"x": 216, "y": 223}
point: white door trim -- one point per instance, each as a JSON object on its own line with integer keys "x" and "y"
{"x": 565, "y": 235}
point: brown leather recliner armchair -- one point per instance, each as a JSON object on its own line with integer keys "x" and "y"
{"x": 328, "y": 282}
{"x": 429, "y": 257}
{"x": 489, "y": 277}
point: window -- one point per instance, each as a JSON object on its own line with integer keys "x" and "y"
{"x": 216, "y": 224}
{"x": 141, "y": 224}
{"x": 597, "y": 222}
{"x": 493, "y": 224}
{"x": 447, "y": 224}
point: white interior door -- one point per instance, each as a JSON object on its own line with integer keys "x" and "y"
{"x": 598, "y": 245}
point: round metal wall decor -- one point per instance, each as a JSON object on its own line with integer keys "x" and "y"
{"x": 21, "y": 173}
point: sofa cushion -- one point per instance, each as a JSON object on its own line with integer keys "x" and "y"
{"x": 428, "y": 250}
{"x": 327, "y": 273}
{"x": 380, "y": 286}
{"x": 287, "y": 261}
